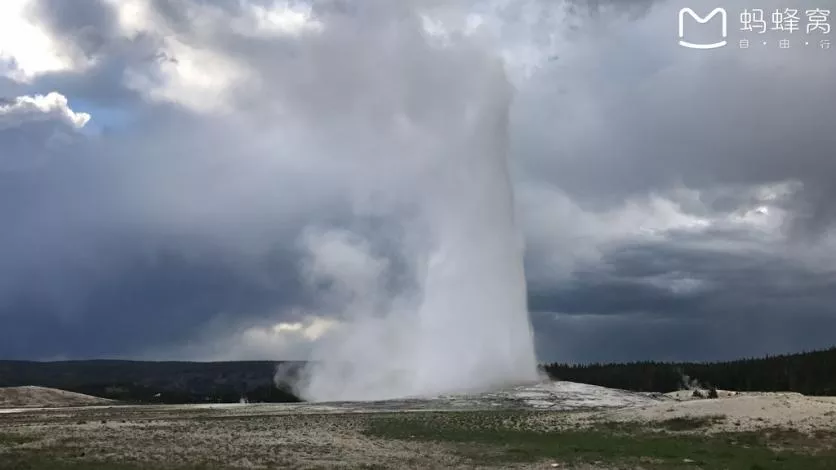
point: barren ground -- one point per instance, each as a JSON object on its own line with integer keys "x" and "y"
{"x": 746, "y": 432}
{"x": 24, "y": 397}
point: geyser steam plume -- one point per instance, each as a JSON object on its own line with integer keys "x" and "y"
{"x": 429, "y": 126}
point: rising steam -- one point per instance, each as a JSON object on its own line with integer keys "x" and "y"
{"x": 429, "y": 119}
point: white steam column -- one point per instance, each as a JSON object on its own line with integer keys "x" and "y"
{"x": 436, "y": 121}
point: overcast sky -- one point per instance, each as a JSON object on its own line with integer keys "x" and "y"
{"x": 172, "y": 171}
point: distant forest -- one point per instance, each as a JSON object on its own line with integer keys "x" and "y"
{"x": 155, "y": 382}
{"x": 810, "y": 373}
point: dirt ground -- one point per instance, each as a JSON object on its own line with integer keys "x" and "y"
{"x": 24, "y": 397}
{"x": 743, "y": 412}
{"x": 217, "y": 438}
{"x": 282, "y": 436}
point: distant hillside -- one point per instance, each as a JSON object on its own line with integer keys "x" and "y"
{"x": 810, "y": 373}
{"x": 153, "y": 382}
{"x": 26, "y": 397}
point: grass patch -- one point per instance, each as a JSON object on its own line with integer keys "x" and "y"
{"x": 62, "y": 456}
{"x": 32, "y": 461}
{"x": 40, "y": 460}
{"x": 491, "y": 439}
{"x": 689, "y": 423}
{"x": 11, "y": 440}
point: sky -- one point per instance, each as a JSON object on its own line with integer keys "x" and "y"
{"x": 172, "y": 172}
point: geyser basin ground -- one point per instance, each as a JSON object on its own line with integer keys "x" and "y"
{"x": 565, "y": 396}
{"x": 555, "y": 396}
{"x": 548, "y": 425}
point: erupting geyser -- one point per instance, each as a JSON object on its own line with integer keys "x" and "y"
{"x": 429, "y": 123}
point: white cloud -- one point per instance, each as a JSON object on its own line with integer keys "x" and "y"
{"x": 192, "y": 72}
{"x": 678, "y": 283}
{"x": 222, "y": 340}
{"x": 281, "y": 339}
{"x": 32, "y": 49}
{"x": 563, "y": 236}
{"x": 196, "y": 78}
{"x": 51, "y": 107}
{"x": 32, "y": 128}
{"x": 311, "y": 330}
{"x": 280, "y": 18}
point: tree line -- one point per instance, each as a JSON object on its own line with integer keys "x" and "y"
{"x": 809, "y": 373}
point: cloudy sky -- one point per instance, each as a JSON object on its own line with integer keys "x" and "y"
{"x": 174, "y": 172}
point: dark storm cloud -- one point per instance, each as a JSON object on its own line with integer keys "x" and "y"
{"x": 641, "y": 114}
{"x": 680, "y": 301}
{"x": 118, "y": 246}
{"x": 142, "y": 301}
{"x": 89, "y": 270}
{"x": 633, "y": 116}
{"x": 131, "y": 242}
{"x": 135, "y": 241}
{"x": 87, "y": 25}
{"x": 598, "y": 293}
{"x": 644, "y": 279}
{"x": 83, "y": 277}
{"x": 103, "y": 83}
{"x": 8, "y": 87}
{"x": 584, "y": 338}
{"x": 88, "y": 32}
